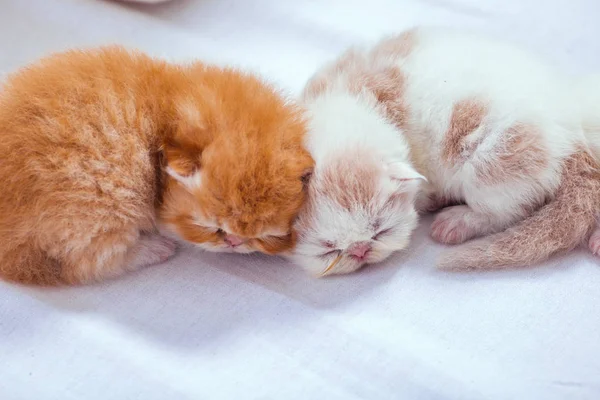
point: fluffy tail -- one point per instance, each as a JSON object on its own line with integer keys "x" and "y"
{"x": 559, "y": 226}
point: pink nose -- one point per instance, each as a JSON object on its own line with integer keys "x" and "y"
{"x": 233, "y": 240}
{"x": 359, "y": 250}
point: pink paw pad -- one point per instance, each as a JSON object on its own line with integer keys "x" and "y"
{"x": 450, "y": 226}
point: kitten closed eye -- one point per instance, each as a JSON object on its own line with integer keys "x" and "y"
{"x": 381, "y": 233}
{"x": 331, "y": 253}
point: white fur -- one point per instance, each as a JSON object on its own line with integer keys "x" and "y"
{"x": 442, "y": 68}
{"x": 341, "y": 124}
{"x": 447, "y": 66}
{"x": 588, "y": 92}
{"x": 191, "y": 182}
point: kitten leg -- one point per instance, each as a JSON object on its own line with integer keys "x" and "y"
{"x": 113, "y": 254}
{"x": 594, "y": 242}
{"x": 458, "y": 224}
{"x": 150, "y": 249}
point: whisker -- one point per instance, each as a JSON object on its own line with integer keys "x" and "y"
{"x": 333, "y": 264}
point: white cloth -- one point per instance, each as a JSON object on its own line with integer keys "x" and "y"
{"x": 209, "y": 326}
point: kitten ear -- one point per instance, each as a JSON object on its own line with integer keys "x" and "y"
{"x": 183, "y": 170}
{"x": 182, "y": 149}
{"x": 406, "y": 179}
{"x": 182, "y": 161}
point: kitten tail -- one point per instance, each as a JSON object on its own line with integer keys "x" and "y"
{"x": 557, "y": 227}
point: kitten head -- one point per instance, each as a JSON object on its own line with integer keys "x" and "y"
{"x": 235, "y": 164}
{"x": 359, "y": 211}
{"x": 360, "y": 206}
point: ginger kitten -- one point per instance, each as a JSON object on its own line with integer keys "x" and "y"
{"x": 101, "y": 148}
{"x": 434, "y": 118}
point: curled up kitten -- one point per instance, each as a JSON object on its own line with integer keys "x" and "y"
{"x": 432, "y": 119}
{"x": 101, "y": 148}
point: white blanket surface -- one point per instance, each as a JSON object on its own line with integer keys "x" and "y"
{"x": 209, "y": 326}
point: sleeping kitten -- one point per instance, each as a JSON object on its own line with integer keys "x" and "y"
{"x": 360, "y": 199}
{"x": 102, "y": 147}
{"x": 432, "y": 118}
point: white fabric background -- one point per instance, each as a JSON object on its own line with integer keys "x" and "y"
{"x": 208, "y": 326}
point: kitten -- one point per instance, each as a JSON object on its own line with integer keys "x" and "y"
{"x": 101, "y": 148}
{"x": 360, "y": 198}
{"x": 434, "y": 118}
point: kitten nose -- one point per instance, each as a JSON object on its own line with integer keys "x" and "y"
{"x": 233, "y": 240}
{"x": 359, "y": 249}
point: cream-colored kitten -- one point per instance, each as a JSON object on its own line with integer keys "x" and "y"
{"x": 435, "y": 117}
{"x": 360, "y": 198}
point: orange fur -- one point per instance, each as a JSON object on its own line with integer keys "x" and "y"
{"x": 388, "y": 85}
{"x": 362, "y": 75}
{"x": 521, "y": 148}
{"x": 467, "y": 116}
{"x": 350, "y": 191}
{"x": 86, "y": 137}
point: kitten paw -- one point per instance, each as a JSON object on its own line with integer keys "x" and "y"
{"x": 152, "y": 249}
{"x": 594, "y": 243}
{"x": 450, "y": 226}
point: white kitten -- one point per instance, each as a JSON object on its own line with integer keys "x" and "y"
{"x": 488, "y": 125}
{"x": 361, "y": 194}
